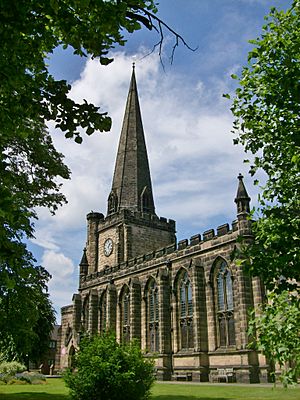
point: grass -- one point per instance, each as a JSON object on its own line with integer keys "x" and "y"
{"x": 221, "y": 392}
{"x": 55, "y": 389}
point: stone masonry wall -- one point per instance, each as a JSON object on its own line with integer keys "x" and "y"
{"x": 198, "y": 256}
{"x": 144, "y": 239}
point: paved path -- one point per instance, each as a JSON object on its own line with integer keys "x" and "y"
{"x": 219, "y": 384}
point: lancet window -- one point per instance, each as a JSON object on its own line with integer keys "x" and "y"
{"x": 102, "y": 312}
{"x": 186, "y": 312}
{"x": 125, "y": 315}
{"x": 85, "y": 314}
{"x": 152, "y": 317}
{"x": 225, "y": 307}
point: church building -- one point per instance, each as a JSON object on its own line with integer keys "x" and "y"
{"x": 186, "y": 302}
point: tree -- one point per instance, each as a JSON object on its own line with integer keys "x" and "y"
{"x": 108, "y": 370}
{"x": 29, "y": 167}
{"x": 30, "y": 97}
{"x": 26, "y": 314}
{"x": 266, "y": 108}
{"x": 30, "y": 31}
{"x": 278, "y": 339}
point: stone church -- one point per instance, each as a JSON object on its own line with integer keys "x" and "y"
{"x": 186, "y": 302}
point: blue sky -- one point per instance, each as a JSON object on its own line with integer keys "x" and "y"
{"x": 187, "y": 124}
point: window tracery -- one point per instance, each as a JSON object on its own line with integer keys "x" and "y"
{"x": 102, "y": 312}
{"x": 125, "y": 315}
{"x": 186, "y": 312}
{"x": 225, "y": 306}
{"x": 152, "y": 317}
{"x": 85, "y": 314}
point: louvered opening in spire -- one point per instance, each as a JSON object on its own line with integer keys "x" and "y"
{"x": 131, "y": 187}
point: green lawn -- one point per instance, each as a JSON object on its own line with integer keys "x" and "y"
{"x": 217, "y": 392}
{"x": 55, "y": 389}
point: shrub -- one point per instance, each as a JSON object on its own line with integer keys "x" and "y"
{"x": 26, "y": 378}
{"x": 11, "y": 374}
{"x": 16, "y": 381}
{"x": 107, "y": 370}
{"x": 11, "y": 367}
{"x": 32, "y": 377}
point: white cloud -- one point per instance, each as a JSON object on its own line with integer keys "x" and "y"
{"x": 45, "y": 239}
{"x": 58, "y": 265}
{"x": 62, "y": 283}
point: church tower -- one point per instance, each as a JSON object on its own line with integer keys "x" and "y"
{"x": 131, "y": 227}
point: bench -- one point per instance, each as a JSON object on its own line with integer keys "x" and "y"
{"x": 182, "y": 377}
{"x": 220, "y": 374}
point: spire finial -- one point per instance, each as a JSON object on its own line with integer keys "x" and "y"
{"x": 133, "y": 65}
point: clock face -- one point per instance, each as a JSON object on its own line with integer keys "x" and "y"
{"x": 108, "y": 247}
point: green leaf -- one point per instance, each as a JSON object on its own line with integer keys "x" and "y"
{"x": 78, "y": 139}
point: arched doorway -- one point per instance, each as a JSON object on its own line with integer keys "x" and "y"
{"x": 71, "y": 357}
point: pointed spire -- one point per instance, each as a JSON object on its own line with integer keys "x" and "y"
{"x": 84, "y": 265}
{"x": 131, "y": 187}
{"x": 242, "y": 199}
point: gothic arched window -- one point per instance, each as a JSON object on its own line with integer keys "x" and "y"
{"x": 225, "y": 309}
{"x": 152, "y": 317}
{"x": 71, "y": 357}
{"x": 102, "y": 312}
{"x": 68, "y": 335}
{"x": 125, "y": 315}
{"x": 186, "y": 312}
{"x": 146, "y": 201}
{"x": 112, "y": 206}
{"x": 85, "y": 314}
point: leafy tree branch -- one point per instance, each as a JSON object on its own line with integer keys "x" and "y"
{"x": 30, "y": 97}
{"x": 266, "y": 108}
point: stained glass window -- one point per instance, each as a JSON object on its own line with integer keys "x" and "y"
{"x": 103, "y": 307}
{"x": 225, "y": 314}
{"x": 229, "y": 295}
{"x": 153, "y": 317}
{"x": 125, "y": 306}
{"x": 186, "y": 312}
{"x": 85, "y": 314}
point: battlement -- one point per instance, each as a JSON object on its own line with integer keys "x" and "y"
{"x": 136, "y": 217}
{"x": 196, "y": 244}
{"x": 94, "y": 216}
{"x": 66, "y": 309}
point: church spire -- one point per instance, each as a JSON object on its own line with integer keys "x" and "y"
{"x": 131, "y": 187}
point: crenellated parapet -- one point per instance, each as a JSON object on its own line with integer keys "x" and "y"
{"x": 197, "y": 244}
{"x": 135, "y": 217}
{"x": 131, "y": 233}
